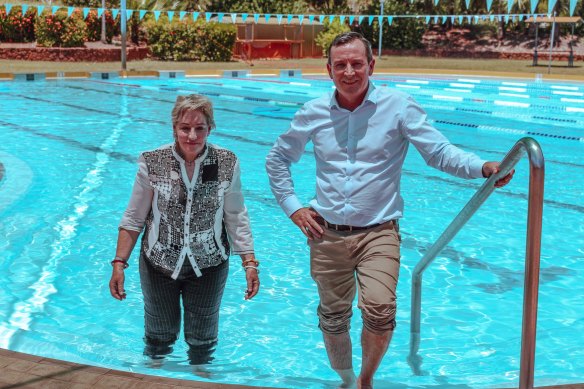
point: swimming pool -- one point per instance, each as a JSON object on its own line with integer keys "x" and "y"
{"x": 68, "y": 149}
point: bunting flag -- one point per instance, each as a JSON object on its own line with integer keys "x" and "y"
{"x": 142, "y": 14}
{"x": 311, "y": 19}
{"x": 85, "y": 13}
{"x": 40, "y": 9}
{"x": 533, "y": 4}
{"x": 24, "y": 8}
{"x": 115, "y": 13}
{"x": 55, "y": 8}
{"x": 99, "y": 12}
{"x": 469, "y": 19}
{"x": 8, "y": 8}
{"x": 207, "y": 16}
{"x": 129, "y": 13}
{"x": 551, "y": 5}
{"x": 181, "y": 15}
{"x": 370, "y": 19}
{"x": 320, "y": 18}
{"x": 351, "y": 19}
{"x": 220, "y": 17}
{"x": 506, "y": 18}
{"x": 361, "y": 19}
{"x": 256, "y": 17}
{"x": 427, "y": 20}
{"x": 300, "y": 19}
{"x": 491, "y": 18}
{"x": 342, "y": 19}
{"x": 390, "y": 20}
{"x": 572, "y": 7}
{"x": 267, "y": 17}
{"x": 70, "y": 11}
{"x": 244, "y": 17}
{"x": 467, "y": 2}
{"x": 444, "y": 18}
{"x": 509, "y": 6}
{"x": 460, "y": 19}
{"x": 156, "y": 15}
{"x": 279, "y": 17}
{"x": 195, "y": 16}
{"x": 380, "y": 20}
{"x": 489, "y": 4}
{"x": 436, "y": 3}
{"x": 233, "y": 17}
{"x": 290, "y": 18}
{"x": 435, "y": 19}
{"x": 331, "y": 18}
{"x": 170, "y": 15}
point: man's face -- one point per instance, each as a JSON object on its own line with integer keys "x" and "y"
{"x": 350, "y": 71}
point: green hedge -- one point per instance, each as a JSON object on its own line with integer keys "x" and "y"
{"x": 60, "y": 30}
{"x": 16, "y": 27}
{"x": 190, "y": 41}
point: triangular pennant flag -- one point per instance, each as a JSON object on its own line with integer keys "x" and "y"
{"x": 220, "y": 17}
{"x": 311, "y": 18}
{"x": 24, "y": 8}
{"x": 380, "y": 20}
{"x": 331, "y": 18}
{"x": 115, "y": 13}
{"x": 469, "y": 19}
{"x": 300, "y": 19}
{"x": 361, "y": 19}
{"x": 476, "y": 17}
{"x": 491, "y": 17}
{"x": 370, "y": 19}
{"x": 342, "y": 19}
{"x": 208, "y": 16}
{"x": 351, "y": 19}
{"x": 509, "y": 5}
{"x": 156, "y": 15}
{"x": 290, "y": 18}
{"x": 54, "y": 9}
{"x": 506, "y": 18}
{"x": 459, "y": 19}
{"x": 572, "y": 7}
{"x": 170, "y": 15}
{"x": 534, "y": 18}
{"x": 427, "y": 19}
{"x": 467, "y": 2}
{"x": 99, "y": 12}
{"x": 436, "y": 2}
{"x": 435, "y": 19}
{"x": 70, "y": 11}
{"x": 181, "y": 15}
{"x": 520, "y": 17}
{"x": 142, "y": 14}
{"x": 279, "y": 17}
{"x": 390, "y": 20}
{"x": 533, "y": 4}
{"x": 489, "y": 4}
{"x": 256, "y": 17}
{"x": 129, "y": 13}
{"x": 444, "y": 19}
{"x": 551, "y": 5}
{"x": 195, "y": 16}
{"x": 320, "y": 18}
{"x": 513, "y": 18}
{"x": 85, "y": 12}
{"x": 267, "y": 17}
{"x": 233, "y": 17}
{"x": 244, "y": 17}
{"x": 40, "y": 9}
{"x": 8, "y": 8}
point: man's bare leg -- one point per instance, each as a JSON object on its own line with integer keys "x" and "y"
{"x": 340, "y": 353}
{"x": 374, "y": 348}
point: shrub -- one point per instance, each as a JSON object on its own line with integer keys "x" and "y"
{"x": 58, "y": 30}
{"x": 328, "y": 34}
{"x": 94, "y": 26}
{"x": 16, "y": 27}
{"x": 191, "y": 41}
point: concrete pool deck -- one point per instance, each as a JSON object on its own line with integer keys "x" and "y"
{"x": 25, "y": 371}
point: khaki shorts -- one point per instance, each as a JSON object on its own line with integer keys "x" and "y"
{"x": 372, "y": 257}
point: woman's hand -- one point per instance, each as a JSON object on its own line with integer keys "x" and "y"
{"x": 116, "y": 283}
{"x": 253, "y": 282}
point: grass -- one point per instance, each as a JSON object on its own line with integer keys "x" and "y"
{"x": 397, "y": 64}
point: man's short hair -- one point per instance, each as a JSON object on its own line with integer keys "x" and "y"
{"x": 346, "y": 37}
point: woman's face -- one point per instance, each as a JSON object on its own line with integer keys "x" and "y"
{"x": 191, "y": 130}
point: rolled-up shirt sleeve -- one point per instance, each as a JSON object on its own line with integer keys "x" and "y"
{"x": 140, "y": 204}
{"x": 434, "y": 147}
{"x": 236, "y": 217}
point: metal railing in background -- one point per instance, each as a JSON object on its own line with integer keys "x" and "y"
{"x": 532, "y": 255}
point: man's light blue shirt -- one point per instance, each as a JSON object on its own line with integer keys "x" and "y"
{"x": 359, "y": 156}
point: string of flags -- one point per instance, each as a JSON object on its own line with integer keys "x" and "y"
{"x": 224, "y": 17}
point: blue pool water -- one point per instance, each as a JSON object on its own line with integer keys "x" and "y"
{"x": 68, "y": 151}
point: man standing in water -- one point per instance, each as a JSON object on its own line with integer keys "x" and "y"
{"x": 360, "y": 135}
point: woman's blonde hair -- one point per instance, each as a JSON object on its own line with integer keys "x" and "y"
{"x": 193, "y": 102}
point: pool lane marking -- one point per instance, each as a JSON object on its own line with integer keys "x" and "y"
{"x": 568, "y": 100}
{"x": 474, "y": 81}
{"x": 22, "y": 316}
{"x": 566, "y": 93}
{"x": 564, "y": 87}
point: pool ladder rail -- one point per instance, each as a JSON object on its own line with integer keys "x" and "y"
{"x": 532, "y": 256}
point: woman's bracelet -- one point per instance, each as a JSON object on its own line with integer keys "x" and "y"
{"x": 252, "y": 267}
{"x": 120, "y": 260}
{"x": 254, "y": 261}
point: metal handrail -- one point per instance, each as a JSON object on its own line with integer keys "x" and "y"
{"x": 532, "y": 255}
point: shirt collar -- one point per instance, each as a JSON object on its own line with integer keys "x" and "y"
{"x": 371, "y": 96}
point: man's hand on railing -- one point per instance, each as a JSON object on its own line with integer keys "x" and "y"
{"x": 490, "y": 168}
